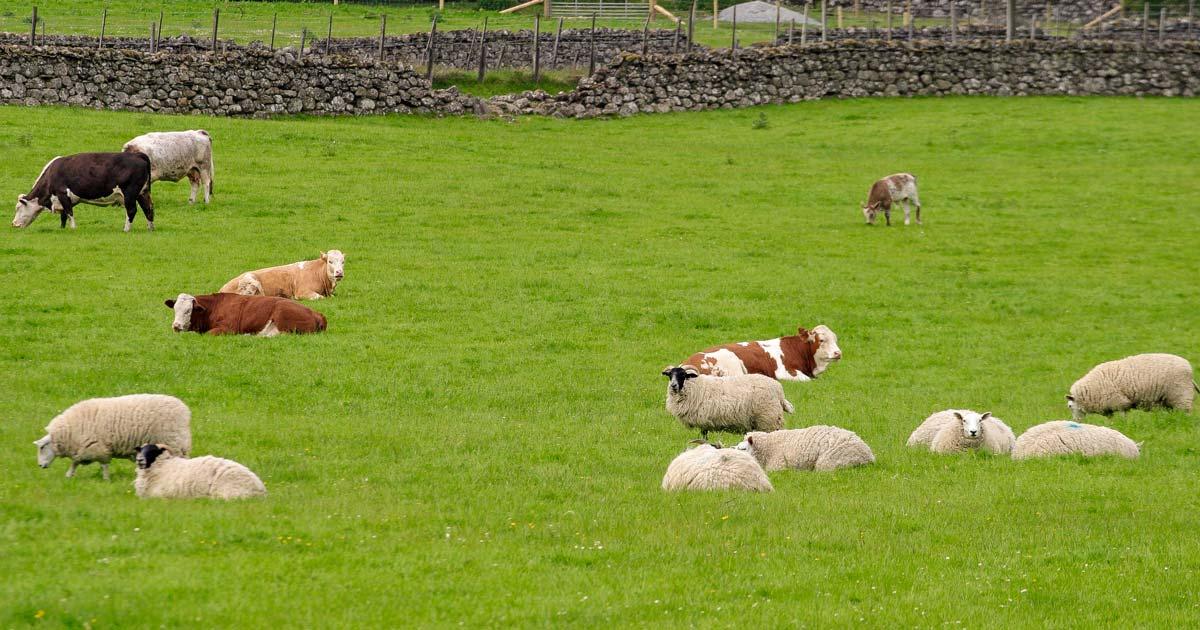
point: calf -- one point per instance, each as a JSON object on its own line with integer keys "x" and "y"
{"x": 304, "y": 280}
{"x": 799, "y": 357}
{"x": 230, "y": 314}
{"x": 178, "y": 154}
{"x": 99, "y": 179}
{"x": 889, "y": 190}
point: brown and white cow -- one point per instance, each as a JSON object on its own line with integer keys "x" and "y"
{"x": 99, "y": 179}
{"x": 178, "y": 154}
{"x": 231, "y": 314}
{"x": 304, "y": 280}
{"x": 799, "y": 357}
{"x": 889, "y": 190}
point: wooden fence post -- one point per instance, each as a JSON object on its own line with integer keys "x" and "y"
{"x": 824, "y": 23}
{"x": 839, "y": 17}
{"x": 1010, "y": 19}
{"x": 691, "y": 25}
{"x": 716, "y": 10}
{"x": 791, "y": 32}
{"x": 1191, "y": 15}
{"x": 1162, "y": 23}
{"x": 557, "y": 37}
{"x": 1145, "y": 23}
{"x": 733, "y": 38}
{"x": 432, "y": 49}
{"x": 777, "y": 11}
{"x": 888, "y": 37}
{"x": 274, "y": 20}
{"x": 592, "y": 46}
{"x": 483, "y": 50}
{"x": 158, "y": 31}
{"x": 1032, "y": 28}
{"x": 216, "y": 21}
{"x": 103, "y": 23}
{"x": 546, "y": 8}
{"x": 804, "y": 26}
{"x": 537, "y": 48}
{"x": 646, "y": 36}
{"x": 329, "y": 36}
{"x": 912, "y": 21}
{"x": 152, "y": 37}
{"x": 953, "y": 24}
{"x": 382, "y": 33}
{"x": 675, "y": 39}
{"x": 303, "y": 37}
{"x": 33, "y": 28}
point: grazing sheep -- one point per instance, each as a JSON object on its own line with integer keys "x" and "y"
{"x": 820, "y": 447}
{"x": 707, "y": 467}
{"x": 101, "y": 429}
{"x": 162, "y": 475}
{"x": 1064, "y": 437}
{"x": 1142, "y": 380}
{"x": 956, "y": 430}
{"x": 750, "y": 402}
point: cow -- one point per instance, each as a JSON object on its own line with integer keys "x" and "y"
{"x": 799, "y": 357}
{"x": 99, "y": 179}
{"x": 304, "y": 280}
{"x": 889, "y": 190}
{"x": 231, "y": 314}
{"x": 178, "y": 154}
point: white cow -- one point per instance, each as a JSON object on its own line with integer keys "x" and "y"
{"x": 178, "y": 154}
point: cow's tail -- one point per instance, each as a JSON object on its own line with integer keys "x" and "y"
{"x": 212, "y": 167}
{"x": 787, "y": 406}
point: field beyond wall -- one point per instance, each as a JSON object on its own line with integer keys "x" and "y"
{"x": 479, "y": 437}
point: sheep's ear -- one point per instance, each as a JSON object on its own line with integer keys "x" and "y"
{"x": 1070, "y": 398}
{"x": 750, "y": 440}
{"x": 986, "y": 415}
{"x": 169, "y": 303}
{"x": 958, "y": 415}
{"x": 691, "y": 371}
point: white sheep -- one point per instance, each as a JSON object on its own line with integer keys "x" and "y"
{"x": 162, "y": 475}
{"x": 820, "y": 447}
{"x": 749, "y": 402}
{"x": 956, "y": 430}
{"x": 1064, "y": 437}
{"x": 707, "y": 467}
{"x": 1142, "y": 380}
{"x": 102, "y": 429}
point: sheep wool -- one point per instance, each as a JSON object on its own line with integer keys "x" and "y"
{"x": 102, "y": 429}
{"x": 820, "y": 447}
{"x": 168, "y": 477}
{"x": 1065, "y": 437}
{"x": 1143, "y": 380}
{"x": 946, "y": 432}
{"x": 749, "y": 402}
{"x": 706, "y": 467}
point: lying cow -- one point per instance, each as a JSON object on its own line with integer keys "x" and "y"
{"x": 99, "y": 179}
{"x": 304, "y": 280}
{"x": 178, "y": 154}
{"x": 799, "y": 357}
{"x": 229, "y": 314}
{"x": 889, "y": 190}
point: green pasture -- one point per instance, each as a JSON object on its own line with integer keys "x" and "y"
{"x": 479, "y": 437}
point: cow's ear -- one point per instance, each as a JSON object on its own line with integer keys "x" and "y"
{"x": 667, "y": 370}
{"x": 169, "y": 303}
{"x": 197, "y": 307}
{"x": 324, "y": 256}
{"x": 21, "y": 197}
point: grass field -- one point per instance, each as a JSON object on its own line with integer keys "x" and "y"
{"x": 479, "y": 437}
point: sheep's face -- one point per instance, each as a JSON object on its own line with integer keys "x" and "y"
{"x": 827, "y": 348}
{"x": 972, "y": 424}
{"x": 184, "y": 306}
{"x": 678, "y": 376}
{"x": 46, "y": 452}
{"x": 335, "y": 265}
{"x": 150, "y": 453}
{"x": 1076, "y": 413}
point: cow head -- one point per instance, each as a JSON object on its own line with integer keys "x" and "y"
{"x": 27, "y": 211}
{"x": 184, "y": 306}
{"x": 972, "y": 423}
{"x": 149, "y": 453}
{"x": 46, "y": 452}
{"x": 869, "y": 211}
{"x": 678, "y": 376}
{"x": 826, "y": 349}
{"x": 335, "y": 265}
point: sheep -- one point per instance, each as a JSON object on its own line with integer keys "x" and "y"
{"x": 1063, "y": 437}
{"x": 1143, "y": 380}
{"x": 101, "y": 429}
{"x": 749, "y": 402}
{"x": 820, "y": 447}
{"x": 956, "y": 430}
{"x": 162, "y": 475}
{"x": 707, "y": 467}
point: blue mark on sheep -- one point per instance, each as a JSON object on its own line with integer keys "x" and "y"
{"x": 1074, "y": 425}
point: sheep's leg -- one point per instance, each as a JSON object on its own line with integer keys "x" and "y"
{"x": 71, "y": 470}
{"x": 104, "y": 469}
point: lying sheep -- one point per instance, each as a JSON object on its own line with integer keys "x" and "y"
{"x": 956, "y": 430}
{"x": 1064, "y": 437}
{"x": 820, "y": 447}
{"x": 707, "y": 467}
{"x": 101, "y": 429}
{"x": 162, "y": 475}
{"x": 750, "y": 402}
{"x": 1142, "y": 380}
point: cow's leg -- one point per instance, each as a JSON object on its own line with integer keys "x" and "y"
{"x": 206, "y": 178}
{"x": 193, "y": 178}
{"x": 917, "y": 202}
{"x": 887, "y": 214}
{"x": 907, "y": 209}
{"x": 147, "y": 205}
{"x": 67, "y": 214}
{"x": 131, "y": 195}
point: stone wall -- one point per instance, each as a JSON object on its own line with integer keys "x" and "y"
{"x": 721, "y": 79}
{"x": 993, "y": 9}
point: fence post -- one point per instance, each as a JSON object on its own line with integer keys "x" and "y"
{"x": 329, "y": 36}
{"x": 1191, "y": 15}
{"x": 889, "y": 21}
{"x": 592, "y": 46}
{"x": 912, "y": 21}
{"x": 1145, "y": 23}
{"x": 483, "y": 50}
{"x": 303, "y": 37}
{"x": 1010, "y": 19}
{"x": 733, "y": 38}
{"x": 103, "y": 23}
{"x": 791, "y": 31}
{"x": 646, "y": 36}
{"x": 675, "y": 39}
{"x": 824, "y": 23}
{"x": 777, "y": 8}
{"x": 33, "y": 28}
{"x": 537, "y": 48}
{"x": 1032, "y": 28}
{"x": 152, "y": 37}
{"x": 691, "y": 23}
{"x": 274, "y": 19}
{"x": 953, "y": 24}
{"x": 158, "y": 36}
{"x": 804, "y": 26}
{"x": 839, "y": 16}
{"x": 557, "y": 37}
{"x": 216, "y": 21}
{"x": 432, "y": 49}
{"x": 382, "y": 33}
{"x": 716, "y": 10}
{"x": 546, "y": 8}
{"x": 1162, "y": 23}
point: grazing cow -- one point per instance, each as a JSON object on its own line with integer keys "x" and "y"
{"x": 799, "y": 357}
{"x": 99, "y": 179}
{"x": 304, "y": 280}
{"x": 231, "y": 314}
{"x": 178, "y": 154}
{"x": 889, "y": 190}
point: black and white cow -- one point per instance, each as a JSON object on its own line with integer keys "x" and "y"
{"x": 99, "y": 179}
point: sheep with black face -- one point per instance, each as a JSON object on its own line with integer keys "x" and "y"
{"x": 163, "y": 475}
{"x": 738, "y": 404}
